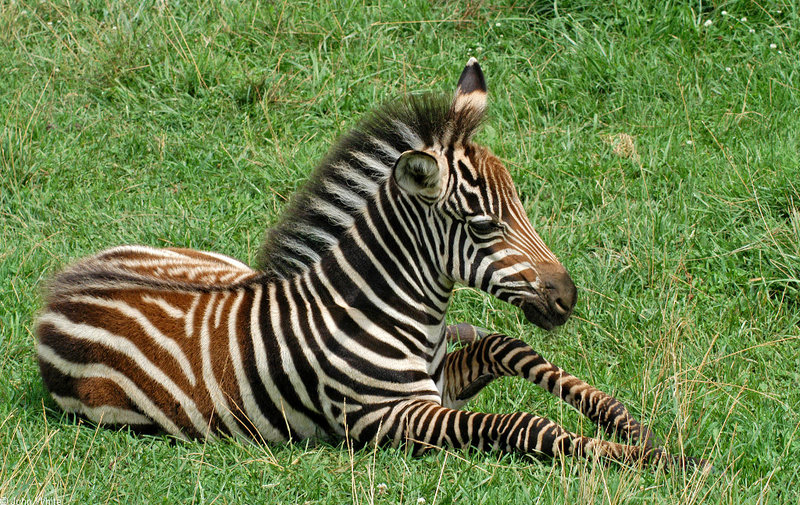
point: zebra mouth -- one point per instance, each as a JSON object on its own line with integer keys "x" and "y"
{"x": 536, "y": 315}
{"x": 541, "y": 314}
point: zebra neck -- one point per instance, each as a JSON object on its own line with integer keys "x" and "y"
{"x": 381, "y": 268}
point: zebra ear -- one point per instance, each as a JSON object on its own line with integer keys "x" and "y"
{"x": 417, "y": 173}
{"x": 471, "y": 91}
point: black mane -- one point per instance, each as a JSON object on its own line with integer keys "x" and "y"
{"x": 350, "y": 174}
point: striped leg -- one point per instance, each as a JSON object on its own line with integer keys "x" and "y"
{"x": 470, "y": 369}
{"x": 427, "y": 424}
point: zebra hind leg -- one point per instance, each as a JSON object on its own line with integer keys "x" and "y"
{"x": 470, "y": 369}
{"x": 97, "y": 399}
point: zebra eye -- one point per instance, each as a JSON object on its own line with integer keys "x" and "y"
{"x": 484, "y": 225}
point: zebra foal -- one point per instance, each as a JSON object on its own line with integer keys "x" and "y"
{"x": 341, "y": 330}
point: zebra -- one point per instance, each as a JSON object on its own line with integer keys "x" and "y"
{"x": 340, "y": 332}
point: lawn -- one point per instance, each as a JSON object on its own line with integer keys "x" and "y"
{"x": 656, "y": 146}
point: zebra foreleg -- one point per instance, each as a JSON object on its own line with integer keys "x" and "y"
{"x": 426, "y": 424}
{"x": 470, "y": 369}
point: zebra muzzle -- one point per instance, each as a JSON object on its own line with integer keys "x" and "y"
{"x": 552, "y": 305}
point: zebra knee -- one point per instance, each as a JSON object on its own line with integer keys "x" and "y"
{"x": 464, "y": 333}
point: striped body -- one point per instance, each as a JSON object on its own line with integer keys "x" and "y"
{"x": 341, "y": 330}
{"x": 186, "y": 333}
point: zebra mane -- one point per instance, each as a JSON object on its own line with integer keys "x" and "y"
{"x": 359, "y": 163}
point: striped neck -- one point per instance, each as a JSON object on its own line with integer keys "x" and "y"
{"x": 386, "y": 268}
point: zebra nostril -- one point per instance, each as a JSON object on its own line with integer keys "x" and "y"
{"x": 562, "y": 307}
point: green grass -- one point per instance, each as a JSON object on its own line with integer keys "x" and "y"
{"x": 189, "y": 124}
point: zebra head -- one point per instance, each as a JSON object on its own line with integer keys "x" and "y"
{"x": 488, "y": 241}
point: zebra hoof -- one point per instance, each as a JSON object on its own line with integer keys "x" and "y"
{"x": 690, "y": 463}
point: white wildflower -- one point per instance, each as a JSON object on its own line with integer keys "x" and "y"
{"x": 752, "y": 30}
{"x": 498, "y": 24}
{"x": 708, "y": 22}
{"x": 728, "y": 69}
{"x": 773, "y": 46}
{"x": 688, "y": 142}
{"x": 744, "y": 20}
{"x": 724, "y": 13}
{"x": 382, "y": 488}
{"x": 421, "y": 501}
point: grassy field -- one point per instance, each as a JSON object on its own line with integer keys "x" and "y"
{"x": 655, "y": 145}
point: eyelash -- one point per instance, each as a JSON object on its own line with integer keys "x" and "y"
{"x": 485, "y": 226}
